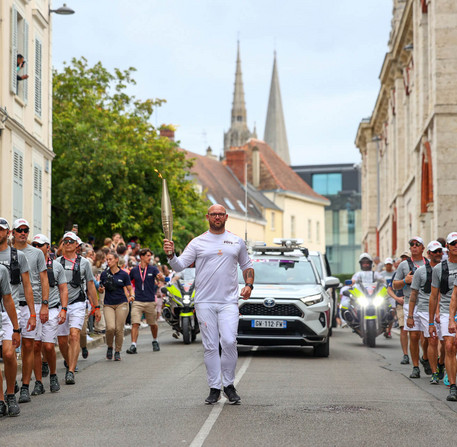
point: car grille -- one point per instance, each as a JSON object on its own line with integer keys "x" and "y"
{"x": 283, "y": 310}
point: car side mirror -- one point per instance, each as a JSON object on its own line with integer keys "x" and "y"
{"x": 331, "y": 281}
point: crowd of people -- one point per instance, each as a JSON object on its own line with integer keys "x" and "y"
{"x": 52, "y": 293}
{"x": 422, "y": 286}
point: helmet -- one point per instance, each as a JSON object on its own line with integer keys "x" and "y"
{"x": 365, "y": 256}
{"x": 365, "y": 266}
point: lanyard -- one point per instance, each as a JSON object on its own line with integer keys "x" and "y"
{"x": 417, "y": 266}
{"x": 72, "y": 261}
{"x": 143, "y": 277}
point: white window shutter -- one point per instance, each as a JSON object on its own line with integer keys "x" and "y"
{"x": 38, "y": 76}
{"x": 18, "y": 178}
{"x": 14, "y": 50}
{"x": 37, "y": 198}
{"x": 26, "y": 56}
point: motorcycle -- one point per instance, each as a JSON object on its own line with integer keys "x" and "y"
{"x": 178, "y": 306}
{"x": 368, "y": 312}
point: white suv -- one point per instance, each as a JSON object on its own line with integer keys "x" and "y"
{"x": 289, "y": 304}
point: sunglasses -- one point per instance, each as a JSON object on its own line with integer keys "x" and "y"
{"x": 69, "y": 241}
{"x": 36, "y": 244}
{"x": 415, "y": 244}
{"x": 437, "y": 251}
{"x": 216, "y": 214}
{"x": 453, "y": 243}
{"x": 22, "y": 230}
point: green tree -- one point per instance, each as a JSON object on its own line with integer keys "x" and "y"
{"x": 107, "y": 155}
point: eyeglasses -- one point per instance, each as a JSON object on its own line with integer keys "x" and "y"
{"x": 36, "y": 244}
{"x": 415, "y": 244}
{"x": 22, "y": 230}
{"x": 453, "y": 243}
{"x": 69, "y": 241}
{"x": 216, "y": 214}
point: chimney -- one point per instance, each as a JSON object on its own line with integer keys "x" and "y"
{"x": 236, "y": 160}
{"x": 255, "y": 167}
{"x": 167, "y": 131}
{"x": 209, "y": 153}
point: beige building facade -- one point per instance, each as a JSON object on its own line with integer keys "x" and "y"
{"x": 409, "y": 144}
{"x": 25, "y": 113}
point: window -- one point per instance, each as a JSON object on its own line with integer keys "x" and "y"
{"x": 318, "y": 231}
{"x": 211, "y": 199}
{"x": 37, "y": 198}
{"x": 18, "y": 176}
{"x": 292, "y": 226}
{"x": 327, "y": 184}
{"x": 309, "y": 230}
{"x": 38, "y": 76}
{"x": 272, "y": 222}
{"x": 229, "y": 204}
{"x": 241, "y": 205}
{"x": 19, "y": 45}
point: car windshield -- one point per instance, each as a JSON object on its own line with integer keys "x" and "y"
{"x": 317, "y": 263}
{"x": 281, "y": 271}
{"x": 186, "y": 275}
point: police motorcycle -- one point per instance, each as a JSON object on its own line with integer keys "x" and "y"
{"x": 366, "y": 309}
{"x": 178, "y": 305}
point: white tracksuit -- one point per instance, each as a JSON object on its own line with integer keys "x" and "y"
{"x": 216, "y": 258}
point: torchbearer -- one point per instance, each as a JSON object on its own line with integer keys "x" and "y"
{"x": 216, "y": 254}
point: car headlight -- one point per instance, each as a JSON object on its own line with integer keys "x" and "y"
{"x": 378, "y": 301}
{"x": 363, "y": 301}
{"x": 312, "y": 299}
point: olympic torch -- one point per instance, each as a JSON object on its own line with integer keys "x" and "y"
{"x": 167, "y": 213}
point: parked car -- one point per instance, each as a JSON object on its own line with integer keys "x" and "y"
{"x": 289, "y": 304}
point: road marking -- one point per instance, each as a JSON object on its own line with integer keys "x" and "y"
{"x": 216, "y": 411}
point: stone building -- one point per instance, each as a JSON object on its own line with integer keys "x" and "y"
{"x": 409, "y": 144}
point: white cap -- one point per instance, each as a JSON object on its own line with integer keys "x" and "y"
{"x": 389, "y": 261}
{"x": 365, "y": 255}
{"x": 78, "y": 240}
{"x": 406, "y": 253}
{"x": 451, "y": 237}
{"x": 417, "y": 239}
{"x": 71, "y": 235}
{"x": 434, "y": 245}
{"x": 4, "y": 223}
{"x": 40, "y": 239}
{"x": 19, "y": 222}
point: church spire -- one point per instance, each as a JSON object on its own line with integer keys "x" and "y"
{"x": 238, "y": 133}
{"x": 275, "y": 129}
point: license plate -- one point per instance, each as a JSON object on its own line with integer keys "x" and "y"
{"x": 276, "y": 324}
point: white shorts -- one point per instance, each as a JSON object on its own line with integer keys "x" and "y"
{"x": 444, "y": 323}
{"x": 416, "y": 319}
{"x": 49, "y": 329}
{"x": 24, "y": 318}
{"x": 423, "y": 319}
{"x": 75, "y": 318}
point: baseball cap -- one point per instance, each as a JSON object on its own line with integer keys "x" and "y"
{"x": 405, "y": 253}
{"x": 4, "y": 224}
{"x": 19, "y": 222}
{"x": 388, "y": 261}
{"x": 451, "y": 237}
{"x": 40, "y": 239}
{"x": 434, "y": 245}
{"x": 78, "y": 240}
{"x": 71, "y": 235}
{"x": 417, "y": 239}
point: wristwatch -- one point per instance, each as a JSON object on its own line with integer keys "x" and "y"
{"x": 45, "y": 302}
{"x": 64, "y": 308}
{"x": 17, "y": 331}
{"x": 249, "y": 285}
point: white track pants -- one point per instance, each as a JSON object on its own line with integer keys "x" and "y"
{"x": 219, "y": 323}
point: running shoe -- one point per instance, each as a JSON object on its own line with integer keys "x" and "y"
{"x": 434, "y": 380}
{"x": 70, "y": 378}
{"x": 131, "y": 350}
{"x": 117, "y": 356}
{"x": 13, "y": 407}
{"x": 415, "y": 374}
{"x": 446, "y": 380}
{"x": 3, "y": 409}
{"x": 405, "y": 360}
{"x": 452, "y": 396}
{"x": 109, "y": 354}
{"x": 44, "y": 369}
{"x": 231, "y": 395}
{"x": 84, "y": 352}
{"x": 440, "y": 371}
{"x": 24, "y": 395}
{"x": 38, "y": 389}
{"x": 387, "y": 334}
{"x": 54, "y": 383}
{"x": 214, "y": 396}
{"x": 426, "y": 366}
{"x": 155, "y": 346}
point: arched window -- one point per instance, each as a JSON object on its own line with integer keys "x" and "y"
{"x": 427, "y": 178}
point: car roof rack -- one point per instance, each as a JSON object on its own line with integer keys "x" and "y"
{"x": 263, "y": 249}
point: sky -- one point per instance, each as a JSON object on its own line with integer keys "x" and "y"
{"x": 329, "y": 56}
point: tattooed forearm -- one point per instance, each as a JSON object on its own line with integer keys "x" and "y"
{"x": 248, "y": 276}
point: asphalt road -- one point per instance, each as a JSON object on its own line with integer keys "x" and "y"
{"x": 357, "y": 396}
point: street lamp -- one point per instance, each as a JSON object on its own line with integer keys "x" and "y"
{"x": 63, "y": 10}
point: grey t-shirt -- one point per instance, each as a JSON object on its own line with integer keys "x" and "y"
{"x": 387, "y": 275}
{"x": 402, "y": 272}
{"x": 37, "y": 264}
{"x": 445, "y": 300}
{"x": 5, "y": 287}
{"x": 5, "y": 259}
{"x": 419, "y": 280}
{"x": 86, "y": 276}
{"x": 59, "y": 275}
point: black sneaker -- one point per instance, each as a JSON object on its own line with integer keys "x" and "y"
{"x": 3, "y": 409}
{"x": 230, "y": 394}
{"x": 440, "y": 371}
{"x": 416, "y": 374}
{"x": 405, "y": 360}
{"x": 426, "y": 366}
{"x": 155, "y": 346}
{"x": 70, "y": 378}
{"x": 117, "y": 356}
{"x": 54, "y": 383}
{"x": 452, "y": 394}
{"x": 44, "y": 369}
{"x": 16, "y": 390}
{"x": 38, "y": 389}
{"x": 24, "y": 395}
{"x": 13, "y": 407}
{"x": 214, "y": 396}
{"x": 131, "y": 350}
{"x": 85, "y": 353}
{"x": 434, "y": 380}
{"x": 109, "y": 354}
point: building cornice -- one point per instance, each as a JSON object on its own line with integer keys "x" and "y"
{"x": 296, "y": 195}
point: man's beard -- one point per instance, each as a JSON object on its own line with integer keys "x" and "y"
{"x": 3, "y": 239}
{"x": 217, "y": 226}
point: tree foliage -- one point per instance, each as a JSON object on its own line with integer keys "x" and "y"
{"x": 107, "y": 152}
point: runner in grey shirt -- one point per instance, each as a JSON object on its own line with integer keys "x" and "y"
{"x": 404, "y": 273}
{"x": 5, "y": 259}
{"x": 37, "y": 265}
